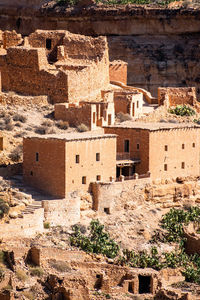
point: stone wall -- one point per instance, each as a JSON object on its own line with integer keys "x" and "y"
{"x": 176, "y": 96}
{"x": 107, "y": 195}
{"x": 28, "y": 226}
{"x": 10, "y": 170}
{"x": 34, "y": 75}
{"x": 11, "y": 98}
{"x": 62, "y": 212}
{"x": 118, "y": 71}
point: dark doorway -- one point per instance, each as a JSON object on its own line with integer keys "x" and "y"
{"x": 98, "y": 283}
{"x": 18, "y": 23}
{"x": 126, "y": 146}
{"x": 48, "y": 44}
{"x": 144, "y": 284}
{"x": 125, "y": 171}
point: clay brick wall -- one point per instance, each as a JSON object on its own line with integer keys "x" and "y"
{"x": 128, "y": 102}
{"x": 56, "y": 171}
{"x": 88, "y": 166}
{"x": 48, "y": 173}
{"x": 34, "y": 75}
{"x": 175, "y": 155}
{"x": 75, "y": 115}
{"x": 176, "y": 96}
{"x": 118, "y": 71}
{"x": 135, "y": 136}
{"x": 152, "y": 152}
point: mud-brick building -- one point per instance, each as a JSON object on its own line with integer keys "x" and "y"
{"x": 59, "y": 165}
{"x": 166, "y": 150}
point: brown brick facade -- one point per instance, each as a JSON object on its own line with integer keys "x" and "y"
{"x": 165, "y": 152}
{"x": 59, "y": 166}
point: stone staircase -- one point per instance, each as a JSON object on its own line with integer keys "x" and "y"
{"x": 37, "y": 197}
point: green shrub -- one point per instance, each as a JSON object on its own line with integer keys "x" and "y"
{"x": 16, "y": 154}
{"x": 21, "y": 275}
{"x": 4, "y": 208}
{"x": 46, "y": 225}
{"x": 62, "y": 125}
{"x": 60, "y": 266}
{"x": 182, "y": 110}
{"x": 20, "y": 118}
{"x": 37, "y": 271}
{"x": 82, "y": 128}
{"x": 29, "y": 295}
{"x": 98, "y": 241}
{"x": 123, "y": 117}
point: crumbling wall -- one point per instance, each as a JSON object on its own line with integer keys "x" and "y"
{"x": 62, "y": 212}
{"x": 28, "y": 226}
{"x": 118, "y": 71}
{"x": 106, "y": 195}
{"x": 75, "y": 115}
{"x": 130, "y": 102}
{"x": 171, "y": 96}
{"x": 34, "y": 75}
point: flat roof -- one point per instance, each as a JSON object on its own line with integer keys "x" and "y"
{"x": 68, "y": 137}
{"x": 154, "y": 126}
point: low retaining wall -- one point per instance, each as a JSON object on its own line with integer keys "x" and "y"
{"x": 28, "y": 226}
{"x": 105, "y": 194}
{"x": 11, "y": 170}
{"x": 62, "y": 212}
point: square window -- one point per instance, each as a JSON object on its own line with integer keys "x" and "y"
{"x": 182, "y": 165}
{"x": 37, "y": 156}
{"x": 165, "y": 167}
{"x": 166, "y": 148}
{"x": 84, "y": 180}
{"x": 97, "y": 156}
{"x": 183, "y": 146}
{"x": 107, "y": 210}
{"x": 138, "y": 146}
{"x": 77, "y": 159}
{"x": 98, "y": 177}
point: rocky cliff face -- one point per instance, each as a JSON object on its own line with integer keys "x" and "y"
{"x": 161, "y": 46}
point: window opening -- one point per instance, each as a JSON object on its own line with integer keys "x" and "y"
{"x": 97, "y": 156}
{"x": 48, "y": 44}
{"x": 126, "y": 146}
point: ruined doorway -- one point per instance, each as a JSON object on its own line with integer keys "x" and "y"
{"x": 144, "y": 284}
